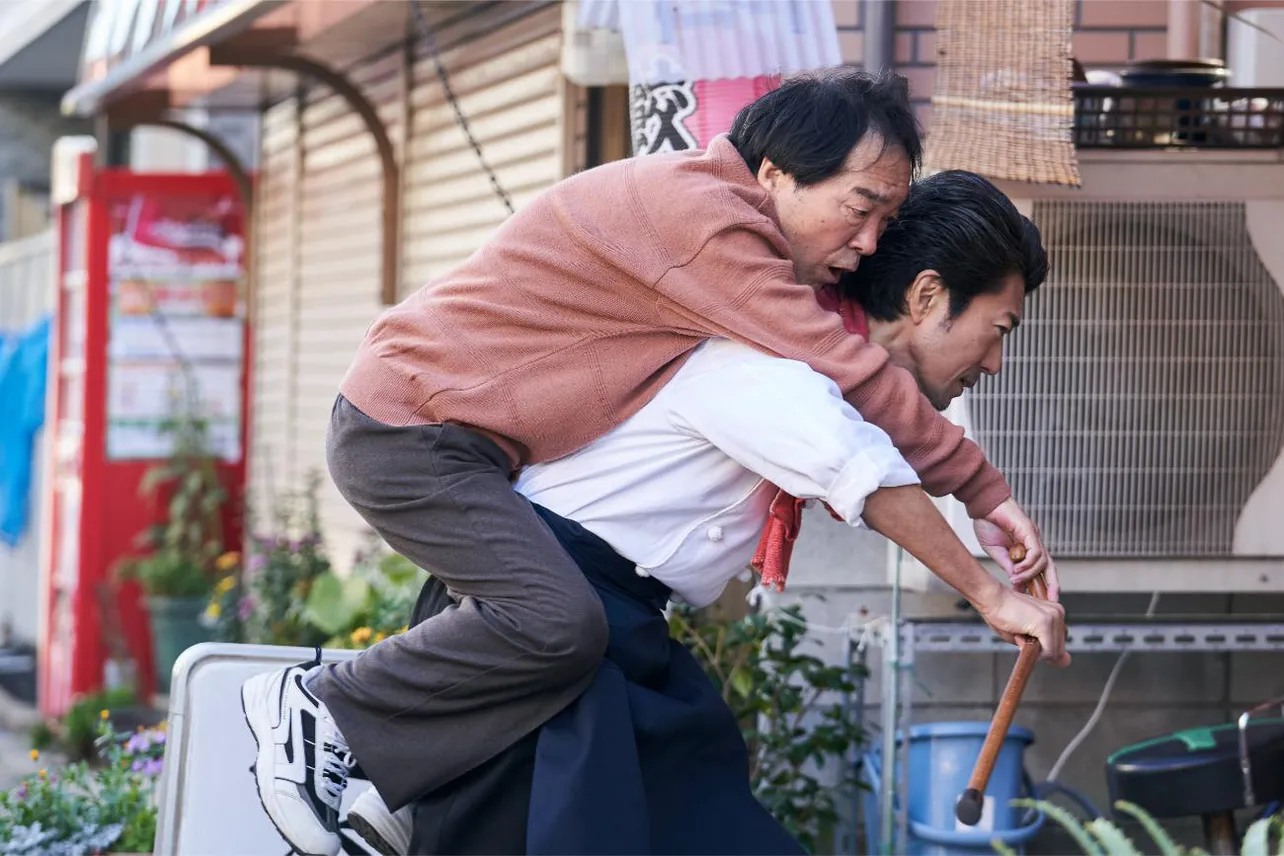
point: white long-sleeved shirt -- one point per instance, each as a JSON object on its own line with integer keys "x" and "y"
{"x": 683, "y": 487}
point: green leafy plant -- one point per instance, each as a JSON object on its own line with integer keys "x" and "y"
{"x": 77, "y": 731}
{"x": 1102, "y": 837}
{"x": 288, "y": 593}
{"x": 181, "y": 552}
{"x": 87, "y": 808}
{"x": 368, "y": 606}
{"x": 782, "y": 697}
{"x": 266, "y": 603}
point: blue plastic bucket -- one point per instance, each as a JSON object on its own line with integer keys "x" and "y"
{"x": 941, "y": 757}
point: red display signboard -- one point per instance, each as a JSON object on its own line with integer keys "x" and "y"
{"x": 151, "y": 325}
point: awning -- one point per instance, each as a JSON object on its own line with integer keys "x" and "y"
{"x": 711, "y": 40}
{"x": 41, "y": 44}
{"x": 130, "y": 39}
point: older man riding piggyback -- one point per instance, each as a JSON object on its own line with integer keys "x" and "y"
{"x": 565, "y": 323}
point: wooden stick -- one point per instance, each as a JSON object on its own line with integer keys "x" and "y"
{"x": 971, "y": 802}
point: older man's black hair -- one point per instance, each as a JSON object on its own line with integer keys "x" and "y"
{"x": 810, "y": 123}
{"x": 959, "y": 225}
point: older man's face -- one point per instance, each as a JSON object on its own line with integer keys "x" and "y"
{"x": 832, "y": 224}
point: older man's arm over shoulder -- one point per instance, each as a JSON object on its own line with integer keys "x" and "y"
{"x": 789, "y": 424}
{"x": 739, "y": 283}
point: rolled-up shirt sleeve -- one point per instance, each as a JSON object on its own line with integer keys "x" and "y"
{"x": 790, "y": 425}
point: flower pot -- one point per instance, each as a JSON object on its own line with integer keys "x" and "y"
{"x": 176, "y": 626}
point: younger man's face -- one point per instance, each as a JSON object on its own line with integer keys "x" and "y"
{"x": 949, "y": 355}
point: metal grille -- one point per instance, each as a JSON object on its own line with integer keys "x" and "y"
{"x": 1142, "y": 399}
{"x": 1151, "y": 117}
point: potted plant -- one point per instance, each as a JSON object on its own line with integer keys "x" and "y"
{"x": 185, "y": 552}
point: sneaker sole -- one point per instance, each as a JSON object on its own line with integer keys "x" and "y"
{"x": 371, "y": 836}
{"x": 264, "y": 778}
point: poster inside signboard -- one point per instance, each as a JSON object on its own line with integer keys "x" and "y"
{"x": 176, "y": 346}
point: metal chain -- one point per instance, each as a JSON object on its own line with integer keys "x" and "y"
{"x": 427, "y": 36}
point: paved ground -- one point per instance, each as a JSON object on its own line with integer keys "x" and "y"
{"x": 15, "y": 758}
{"x": 16, "y": 720}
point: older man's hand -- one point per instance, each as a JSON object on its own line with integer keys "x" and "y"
{"x": 1007, "y": 526}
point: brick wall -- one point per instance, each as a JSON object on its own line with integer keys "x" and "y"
{"x": 1108, "y": 33}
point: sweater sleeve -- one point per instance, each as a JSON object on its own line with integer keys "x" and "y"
{"x": 738, "y": 285}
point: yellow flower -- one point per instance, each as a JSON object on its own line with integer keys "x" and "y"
{"x": 361, "y": 635}
{"x": 44, "y": 774}
{"x": 379, "y": 637}
{"x": 224, "y": 586}
{"x": 104, "y": 714}
{"x": 35, "y": 754}
{"x": 214, "y": 610}
{"x": 404, "y": 628}
{"x": 227, "y": 561}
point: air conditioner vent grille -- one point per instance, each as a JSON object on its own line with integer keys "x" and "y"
{"x": 1142, "y": 399}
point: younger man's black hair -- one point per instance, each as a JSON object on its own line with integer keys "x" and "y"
{"x": 959, "y": 225}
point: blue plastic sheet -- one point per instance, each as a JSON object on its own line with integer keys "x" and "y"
{"x": 23, "y": 376}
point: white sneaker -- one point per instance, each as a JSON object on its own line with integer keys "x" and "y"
{"x": 303, "y": 760}
{"x": 385, "y": 831}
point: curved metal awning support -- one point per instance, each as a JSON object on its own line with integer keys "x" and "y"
{"x": 345, "y": 89}
{"x": 233, "y": 163}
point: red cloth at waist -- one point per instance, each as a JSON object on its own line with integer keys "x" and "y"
{"x": 784, "y": 520}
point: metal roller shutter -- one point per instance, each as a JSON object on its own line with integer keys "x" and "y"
{"x": 339, "y": 269}
{"x": 509, "y": 85}
{"x": 319, "y": 218}
{"x": 273, "y": 310}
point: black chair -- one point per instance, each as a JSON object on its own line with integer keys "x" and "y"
{"x": 1207, "y": 772}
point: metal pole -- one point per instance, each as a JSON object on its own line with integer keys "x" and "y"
{"x": 905, "y": 668}
{"x": 880, "y": 34}
{"x": 890, "y": 704}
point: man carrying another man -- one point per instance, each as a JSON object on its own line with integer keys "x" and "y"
{"x": 672, "y": 502}
{"x": 580, "y": 311}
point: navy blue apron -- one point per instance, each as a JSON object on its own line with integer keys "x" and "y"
{"x": 649, "y": 760}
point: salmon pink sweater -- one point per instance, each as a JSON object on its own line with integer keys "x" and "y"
{"x": 587, "y": 300}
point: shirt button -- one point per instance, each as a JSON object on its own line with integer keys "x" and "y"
{"x": 715, "y": 533}
{"x": 641, "y": 571}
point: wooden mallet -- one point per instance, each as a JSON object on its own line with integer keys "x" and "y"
{"x": 970, "y": 804}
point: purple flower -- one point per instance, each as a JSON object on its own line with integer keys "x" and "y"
{"x": 257, "y": 562}
{"x": 139, "y": 742}
{"x": 20, "y": 793}
{"x": 152, "y": 767}
{"x": 158, "y": 738}
{"x": 137, "y": 766}
{"x": 245, "y": 608}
